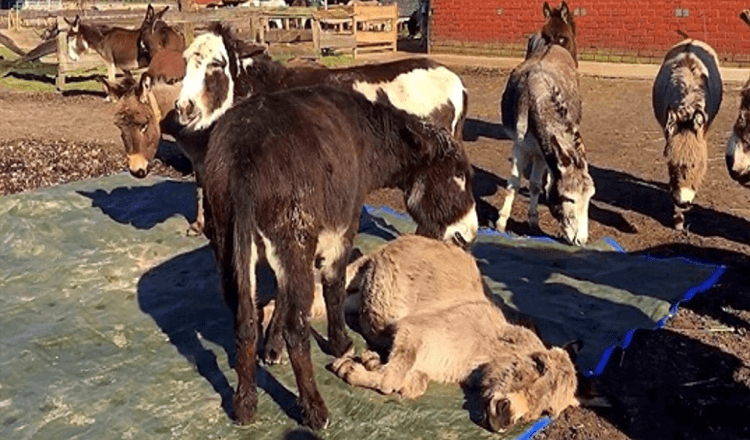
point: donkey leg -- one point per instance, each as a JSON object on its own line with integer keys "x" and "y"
{"x": 245, "y": 398}
{"x": 196, "y": 228}
{"x": 518, "y": 163}
{"x": 297, "y": 288}
{"x": 535, "y": 188}
{"x": 111, "y": 72}
{"x": 336, "y": 256}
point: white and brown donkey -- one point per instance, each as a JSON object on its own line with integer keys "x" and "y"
{"x": 687, "y": 95}
{"x": 541, "y": 107}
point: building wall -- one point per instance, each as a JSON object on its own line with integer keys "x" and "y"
{"x": 606, "y": 28}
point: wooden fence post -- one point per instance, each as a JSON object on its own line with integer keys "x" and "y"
{"x": 62, "y": 54}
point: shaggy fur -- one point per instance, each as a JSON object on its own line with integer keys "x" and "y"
{"x": 738, "y": 145}
{"x": 428, "y": 300}
{"x": 285, "y": 177}
{"x": 541, "y": 106}
{"x": 687, "y": 95}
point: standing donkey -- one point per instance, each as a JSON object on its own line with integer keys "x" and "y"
{"x": 687, "y": 94}
{"x": 738, "y": 145}
{"x": 121, "y": 48}
{"x": 559, "y": 28}
{"x": 541, "y": 106}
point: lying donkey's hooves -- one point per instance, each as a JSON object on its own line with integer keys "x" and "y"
{"x": 195, "y": 230}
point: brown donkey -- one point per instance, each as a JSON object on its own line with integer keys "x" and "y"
{"x": 121, "y": 48}
{"x": 559, "y": 28}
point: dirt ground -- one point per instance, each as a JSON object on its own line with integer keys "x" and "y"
{"x": 690, "y": 380}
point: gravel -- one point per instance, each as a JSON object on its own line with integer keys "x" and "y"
{"x": 28, "y": 164}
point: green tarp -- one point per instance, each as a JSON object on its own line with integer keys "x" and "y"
{"x": 112, "y": 324}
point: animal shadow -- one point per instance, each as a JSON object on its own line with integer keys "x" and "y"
{"x": 725, "y": 298}
{"x": 144, "y": 207}
{"x": 486, "y": 184}
{"x": 652, "y": 199}
{"x": 474, "y": 128}
{"x": 183, "y": 296}
{"x": 667, "y": 385}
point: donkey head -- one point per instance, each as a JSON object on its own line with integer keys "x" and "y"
{"x": 560, "y": 28}
{"x": 572, "y": 188}
{"x": 543, "y": 383}
{"x": 77, "y": 43}
{"x": 738, "y": 146}
{"x": 439, "y": 193}
{"x": 138, "y": 116}
{"x": 686, "y": 152}
{"x": 214, "y": 62}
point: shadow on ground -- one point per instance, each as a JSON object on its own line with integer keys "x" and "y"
{"x": 686, "y": 389}
{"x": 183, "y": 296}
{"x": 144, "y": 207}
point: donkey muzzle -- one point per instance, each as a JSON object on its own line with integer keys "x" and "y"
{"x": 187, "y": 112}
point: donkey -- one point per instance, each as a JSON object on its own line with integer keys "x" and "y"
{"x": 224, "y": 68}
{"x": 121, "y": 48}
{"x": 442, "y": 326}
{"x": 738, "y": 145}
{"x": 285, "y": 176}
{"x": 686, "y": 97}
{"x": 541, "y": 106}
{"x": 559, "y": 28}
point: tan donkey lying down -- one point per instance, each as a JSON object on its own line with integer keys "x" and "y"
{"x": 428, "y": 298}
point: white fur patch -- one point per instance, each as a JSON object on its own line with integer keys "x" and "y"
{"x": 73, "y": 54}
{"x": 272, "y": 257}
{"x": 330, "y": 248}
{"x": 740, "y": 160}
{"x": 685, "y": 195}
{"x": 461, "y": 182}
{"x": 420, "y": 91}
{"x": 467, "y": 226}
{"x": 205, "y": 49}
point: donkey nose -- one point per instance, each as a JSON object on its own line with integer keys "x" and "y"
{"x": 185, "y": 110}
{"x": 140, "y": 173}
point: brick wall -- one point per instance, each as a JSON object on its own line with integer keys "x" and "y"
{"x": 623, "y": 30}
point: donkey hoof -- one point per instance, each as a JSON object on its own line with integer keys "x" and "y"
{"x": 245, "y": 407}
{"x": 371, "y": 360}
{"x": 315, "y": 415}
{"x": 195, "y": 229}
{"x": 273, "y": 352}
{"x": 340, "y": 347}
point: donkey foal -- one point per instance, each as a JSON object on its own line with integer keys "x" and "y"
{"x": 443, "y": 327}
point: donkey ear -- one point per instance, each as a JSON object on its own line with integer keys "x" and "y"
{"x": 670, "y": 128}
{"x": 161, "y": 13}
{"x": 249, "y": 50}
{"x": 745, "y": 16}
{"x": 546, "y": 11}
{"x": 573, "y": 348}
{"x": 144, "y": 87}
{"x": 699, "y": 120}
{"x": 149, "y": 13}
{"x": 562, "y": 157}
{"x": 565, "y": 12}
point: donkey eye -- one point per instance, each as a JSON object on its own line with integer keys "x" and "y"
{"x": 217, "y": 64}
{"x": 144, "y": 127}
